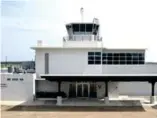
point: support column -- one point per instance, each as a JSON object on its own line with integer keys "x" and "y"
{"x": 59, "y": 97}
{"x": 59, "y": 86}
{"x": 106, "y": 99}
{"x": 152, "y": 97}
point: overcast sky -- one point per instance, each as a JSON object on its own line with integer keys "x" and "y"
{"x": 124, "y": 24}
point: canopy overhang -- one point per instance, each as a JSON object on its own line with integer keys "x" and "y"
{"x": 106, "y": 77}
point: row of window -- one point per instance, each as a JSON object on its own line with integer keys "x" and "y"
{"x": 115, "y": 58}
{"x": 14, "y": 79}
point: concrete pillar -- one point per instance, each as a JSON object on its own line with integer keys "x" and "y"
{"x": 106, "y": 99}
{"x": 152, "y": 97}
{"x": 59, "y": 101}
{"x": 59, "y": 86}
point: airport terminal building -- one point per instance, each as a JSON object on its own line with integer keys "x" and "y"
{"x": 84, "y": 69}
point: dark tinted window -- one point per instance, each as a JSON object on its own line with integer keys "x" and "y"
{"x": 123, "y": 58}
{"x": 82, "y": 27}
{"x": 104, "y": 55}
{"x": 109, "y": 58}
{"x": 97, "y": 62}
{"x": 98, "y": 53}
{"x": 91, "y": 58}
{"x": 90, "y": 62}
{"x": 98, "y": 58}
{"x": 94, "y": 57}
{"x": 115, "y": 62}
{"x": 91, "y": 53}
{"x": 109, "y": 54}
{"x": 109, "y": 62}
{"x": 89, "y": 27}
{"x": 117, "y": 58}
{"x": 122, "y": 54}
{"x": 75, "y": 27}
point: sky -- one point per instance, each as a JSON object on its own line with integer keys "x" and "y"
{"x": 123, "y": 24}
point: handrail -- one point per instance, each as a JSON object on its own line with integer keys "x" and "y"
{"x": 82, "y": 38}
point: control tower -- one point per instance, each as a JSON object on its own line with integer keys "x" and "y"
{"x": 83, "y": 34}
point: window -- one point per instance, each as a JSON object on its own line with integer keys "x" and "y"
{"x": 76, "y": 27}
{"x": 21, "y": 79}
{"x": 123, "y": 58}
{"x": 14, "y": 79}
{"x": 8, "y": 79}
{"x": 94, "y": 58}
{"x": 89, "y": 27}
{"x": 82, "y": 27}
{"x": 46, "y": 63}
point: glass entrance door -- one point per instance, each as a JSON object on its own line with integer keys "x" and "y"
{"x": 82, "y": 89}
{"x": 85, "y": 90}
{"x": 79, "y": 90}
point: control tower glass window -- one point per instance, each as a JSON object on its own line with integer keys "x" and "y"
{"x": 76, "y": 28}
{"x": 89, "y": 27}
{"x": 84, "y": 28}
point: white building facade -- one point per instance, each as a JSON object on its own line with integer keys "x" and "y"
{"x": 83, "y": 68}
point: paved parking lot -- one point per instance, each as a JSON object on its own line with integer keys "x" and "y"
{"x": 78, "y": 112}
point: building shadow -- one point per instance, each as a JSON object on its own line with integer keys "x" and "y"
{"x": 53, "y": 108}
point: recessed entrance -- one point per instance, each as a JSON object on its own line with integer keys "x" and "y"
{"x": 82, "y": 90}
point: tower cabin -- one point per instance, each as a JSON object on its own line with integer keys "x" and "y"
{"x": 83, "y": 35}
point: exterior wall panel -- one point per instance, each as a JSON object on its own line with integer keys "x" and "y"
{"x": 136, "y": 88}
{"x": 129, "y": 69}
{"x": 16, "y": 90}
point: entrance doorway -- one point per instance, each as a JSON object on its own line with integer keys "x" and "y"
{"x": 82, "y": 90}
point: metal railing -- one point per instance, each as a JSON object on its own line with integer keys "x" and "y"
{"x": 82, "y": 38}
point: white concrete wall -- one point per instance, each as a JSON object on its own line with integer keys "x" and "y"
{"x": 68, "y": 61}
{"x": 113, "y": 89}
{"x": 82, "y": 44}
{"x": 100, "y": 90}
{"x": 75, "y": 61}
{"x": 136, "y": 88}
{"x": 16, "y": 90}
{"x": 129, "y": 69}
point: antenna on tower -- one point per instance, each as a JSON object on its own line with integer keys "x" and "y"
{"x": 81, "y": 11}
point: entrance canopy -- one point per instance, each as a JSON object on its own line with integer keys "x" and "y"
{"x": 106, "y": 77}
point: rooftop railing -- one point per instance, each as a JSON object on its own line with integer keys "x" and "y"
{"x": 82, "y": 38}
